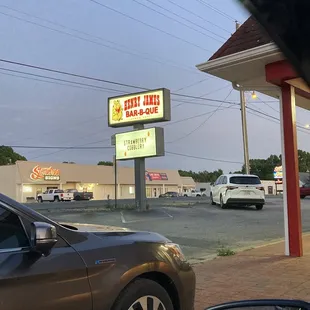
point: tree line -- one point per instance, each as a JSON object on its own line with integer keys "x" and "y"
{"x": 263, "y": 168}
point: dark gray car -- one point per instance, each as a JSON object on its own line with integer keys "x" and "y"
{"x": 169, "y": 195}
{"x": 45, "y": 265}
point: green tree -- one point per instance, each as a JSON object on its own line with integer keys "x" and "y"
{"x": 303, "y": 161}
{"x": 105, "y": 163}
{"x": 263, "y": 168}
{"x": 8, "y": 156}
{"x": 202, "y": 176}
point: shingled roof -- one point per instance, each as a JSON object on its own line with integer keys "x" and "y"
{"x": 249, "y": 35}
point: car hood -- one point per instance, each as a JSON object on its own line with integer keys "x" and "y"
{"x": 133, "y": 236}
{"x": 121, "y": 233}
{"x": 93, "y": 228}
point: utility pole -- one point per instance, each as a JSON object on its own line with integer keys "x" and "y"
{"x": 115, "y": 181}
{"x": 244, "y": 126}
{"x": 140, "y": 192}
{"x": 244, "y": 133}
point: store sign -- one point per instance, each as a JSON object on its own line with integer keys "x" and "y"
{"x": 277, "y": 172}
{"x": 156, "y": 176}
{"x": 52, "y": 178}
{"x": 139, "y": 108}
{"x": 45, "y": 173}
{"x": 140, "y": 143}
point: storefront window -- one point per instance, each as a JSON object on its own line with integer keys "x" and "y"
{"x": 148, "y": 192}
{"x": 131, "y": 190}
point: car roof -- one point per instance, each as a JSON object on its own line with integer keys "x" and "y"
{"x": 240, "y": 175}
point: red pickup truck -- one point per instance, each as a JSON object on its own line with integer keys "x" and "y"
{"x": 305, "y": 190}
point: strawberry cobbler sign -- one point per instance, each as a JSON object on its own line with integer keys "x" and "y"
{"x": 45, "y": 173}
{"x": 139, "y": 108}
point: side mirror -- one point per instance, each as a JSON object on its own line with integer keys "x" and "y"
{"x": 43, "y": 237}
{"x": 211, "y": 184}
{"x": 263, "y": 304}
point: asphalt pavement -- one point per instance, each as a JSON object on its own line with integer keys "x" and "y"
{"x": 201, "y": 229}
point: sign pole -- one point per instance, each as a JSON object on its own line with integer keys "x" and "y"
{"x": 115, "y": 181}
{"x": 140, "y": 194}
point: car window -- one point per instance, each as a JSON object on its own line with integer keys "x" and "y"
{"x": 224, "y": 181}
{"x": 221, "y": 180}
{"x": 217, "y": 181}
{"x": 247, "y": 180}
{"x": 59, "y": 191}
{"x": 12, "y": 233}
{"x": 50, "y": 191}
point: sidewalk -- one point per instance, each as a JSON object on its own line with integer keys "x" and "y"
{"x": 263, "y": 272}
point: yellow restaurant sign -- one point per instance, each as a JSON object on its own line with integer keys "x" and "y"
{"x": 140, "y": 143}
{"x": 139, "y": 108}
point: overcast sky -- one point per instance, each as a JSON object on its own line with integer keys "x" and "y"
{"x": 49, "y": 114}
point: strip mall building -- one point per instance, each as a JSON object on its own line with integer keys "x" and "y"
{"x": 25, "y": 180}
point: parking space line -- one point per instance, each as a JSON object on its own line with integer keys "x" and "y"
{"x": 124, "y": 221}
{"x": 167, "y": 214}
{"x": 123, "y": 218}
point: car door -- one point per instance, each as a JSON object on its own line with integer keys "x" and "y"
{"x": 223, "y": 186}
{"x": 305, "y": 190}
{"x": 31, "y": 281}
{"x": 50, "y": 195}
{"x": 216, "y": 189}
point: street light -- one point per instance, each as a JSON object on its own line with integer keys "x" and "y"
{"x": 307, "y": 126}
{"x": 254, "y": 96}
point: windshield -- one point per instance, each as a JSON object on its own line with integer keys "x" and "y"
{"x": 245, "y": 180}
{"x": 70, "y": 191}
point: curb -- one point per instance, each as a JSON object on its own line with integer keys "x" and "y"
{"x": 237, "y": 251}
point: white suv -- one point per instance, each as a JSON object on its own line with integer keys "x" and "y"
{"x": 238, "y": 189}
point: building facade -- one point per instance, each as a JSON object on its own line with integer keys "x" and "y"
{"x": 25, "y": 180}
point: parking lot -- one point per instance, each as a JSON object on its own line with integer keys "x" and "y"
{"x": 200, "y": 229}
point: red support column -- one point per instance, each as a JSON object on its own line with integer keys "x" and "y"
{"x": 291, "y": 170}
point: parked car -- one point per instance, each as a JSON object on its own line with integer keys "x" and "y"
{"x": 169, "y": 195}
{"x": 194, "y": 193}
{"x": 238, "y": 190}
{"x": 52, "y": 266}
{"x": 304, "y": 190}
{"x": 80, "y": 195}
{"x": 55, "y": 195}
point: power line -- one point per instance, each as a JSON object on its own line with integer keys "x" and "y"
{"x": 193, "y": 84}
{"x": 109, "y": 147}
{"x": 151, "y": 26}
{"x": 203, "y": 123}
{"x": 202, "y": 96}
{"x": 217, "y": 10}
{"x": 205, "y": 158}
{"x": 70, "y": 74}
{"x": 55, "y": 83}
{"x": 126, "y": 49}
{"x": 192, "y": 117}
{"x": 299, "y": 127}
{"x": 103, "y": 80}
{"x": 269, "y": 106}
{"x": 81, "y": 145}
{"x": 99, "y": 88}
{"x": 94, "y": 87}
{"x": 202, "y": 18}
{"x": 189, "y": 21}
{"x": 60, "y": 147}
